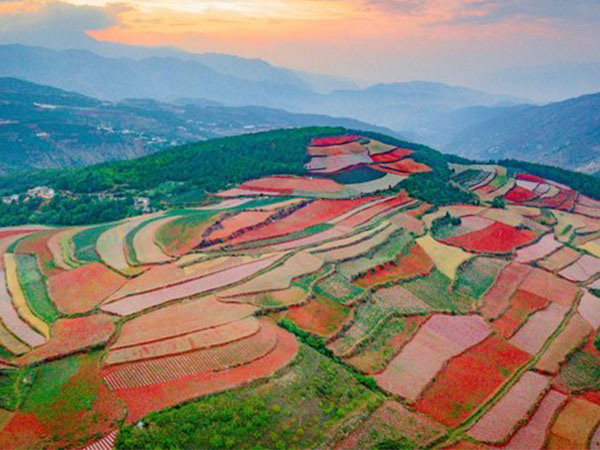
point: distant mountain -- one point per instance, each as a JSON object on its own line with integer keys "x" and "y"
{"x": 45, "y": 127}
{"x": 565, "y": 134}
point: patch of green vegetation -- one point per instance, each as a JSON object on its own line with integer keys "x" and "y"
{"x": 49, "y": 380}
{"x": 477, "y": 275}
{"x": 597, "y": 342}
{"x": 467, "y": 176}
{"x": 84, "y": 243}
{"x": 337, "y": 288}
{"x": 66, "y": 249}
{"x": 434, "y": 290}
{"x": 581, "y": 372}
{"x": 34, "y": 287}
{"x": 498, "y": 202}
{"x": 298, "y": 408}
{"x": 361, "y": 174}
{"x": 442, "y": 227}
{"x": 306, "y": 281}
{"x": 182, "y": 229}
{"x": 432, "y": 188}
{"x": 401, "y": 443}
{"x": 129, "y": 247}
{"x": 14, "y": 384}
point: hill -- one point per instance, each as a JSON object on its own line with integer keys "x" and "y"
{"x": 567, "y": 133}
{"x": 45, "y": 127}
{"x": 321, "y": 287}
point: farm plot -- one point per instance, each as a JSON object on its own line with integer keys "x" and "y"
{"x": 391, "y": 156}
{"x": 381, "y": 207}
{"x": 386, "y": 253}
{"x": 61, "y": 248}
{"x": 502, "y": 419}
{"x": 145, "y": 248}
{"x": 404, "y": 166}
{"x": 559, "y": 259}
{"x": 71, "y": 336}
{"x": 336, "y": 149}
{"x": 519, "y": 194}
{"x": 574, "y": 425}
{"x": 289, "y": 184}
{"x": 522, "y": 305}
{"x": 320, "y": 316}
{"x": 280, "y": 277}
{"x": 436, "y": 290}
{"x": 84, "y": 243}
{"x": 37, "y": 244}
{"x": 569, "y": 338}
{"x": 20, "y": 302}
{"x": 15, "y": 326}
{"x": 333, "y": 140}
{"x": 178, "y": 237}
{"x": 315, "y": 213}
{"x": 392, "y": 422}
{"x": 476, "y": 276}
{"x": 179, "y": 320}
{"x": 438, "y": 340}
{"x": 497, "y": 298}
{"x": 415, "y": 263}
{"x": 589, "y": 308}
{"x": 386, "y": 343}
{"x": 533, "y": 434}
{"x": 212, "y": 359}
{"x": 335, "y": 163}
{"x": 496, "y": 238}
{"x": 351, "y": 239}
{"x": 550, "y": 286}
{"x": 538, "y": 328}
{"x": 409, "y": 223}
{"x": 337, "y": 288}
{"x": 375, "y": 147}
{"x": 446, "y": 259}
{"x": 388, "y": 181}
{"x": 111, "y": 247}
{"x": 581, "y": 372}
{"x": 236, "y": 225}
{"x": 401, "y": 300}
{"x": 82, "y": 289}
{"x": 139, "y": 302}
{"x": 34, "y": 288}
{"x": 317, "y": 238}
{"x": 207, "y": 338}
{"x": 469, "y": 379}
{"x": 360, "y": 249}
{"x": 368, "y": 317}
{"x": 540, "y": 249}
{"x": 274, "y": 299}
{"x": 583, "y": 269}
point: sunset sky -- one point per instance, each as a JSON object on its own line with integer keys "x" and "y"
{"x": 368, "y": 40}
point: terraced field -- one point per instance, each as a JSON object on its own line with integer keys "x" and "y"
{"x": 329, "y": 309}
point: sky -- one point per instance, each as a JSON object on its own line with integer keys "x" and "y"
{"x": 366, "y": 40}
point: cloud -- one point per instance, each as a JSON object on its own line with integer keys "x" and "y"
{"x": 56, "y": 24}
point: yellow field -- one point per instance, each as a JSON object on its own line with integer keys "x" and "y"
{"x": 447, "y": 259}
{"x": 18, "y": 297}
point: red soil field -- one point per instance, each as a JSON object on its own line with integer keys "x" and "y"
{"x": 415, "y": 263}
{"x": 79, "y": 290}
{"x": 315, "y": 213}
{"x": 497, "y": 298}
{"x": 405, "y": 166}
{"x": 564, "y": 200}
{"x": 391, "y": 156}
{"x": 71, "y": 336}
{"x": 522, "y": 303}
{"x": 321, "y": 316}
{"x": 36, "y": 244}
{"x": 140, "y": 401}
{"x": 497, "y": 238}
{"x": 519, "y": 194}
{"x": 334, "y": 140}
{"x": 367, "y": 214}
{"x": 7, "y": 233}
{"x": 469, "y": 379}
{"x": 527, "y": 177}
{"x": 555, "y": 289}
{"x": 238, "y": 222}
{"x": 287, "y": 185}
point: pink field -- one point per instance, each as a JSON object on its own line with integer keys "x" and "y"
{"x": 332, "y": 233}
{"x": 497, "y": 298}
{"x": 334, "y": 140}
{"x": 550, "y": 286}
{"x": 180, "y": 319}
{"x": 139, "y": 302}
{"x": 499, "y": 422}
{"x": 538, "y": 328}
{"x": 473, "y": 223}
{"x": 533, "y": 434}
{"x": 595, "y": 442}
{"x": 289, "y": 184}
{"x": 211, "y": 337}
{"x": 581, "y": 270}
{"x": 141, "y": 401}
{"x": 409, "y": 223}
{"x": 12, "y": 321}
{"x": 335, "y": 163}
{"x": 542, "y": 248}
{"x": 367, "y": 214}
{"x": 316, "y": 212}
{"x": 240, "y": 221}
{"x": 392, "y": 155}
{"x": 163, "y": 370}
{"x": 589, "y": 308}
{"x": 438, "y": 340}
{"x": 573, "y": 334}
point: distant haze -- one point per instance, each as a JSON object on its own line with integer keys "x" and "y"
{"x": 539, "y": 49}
